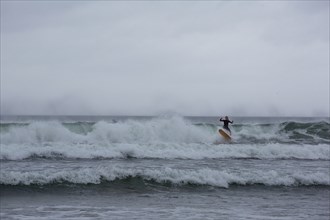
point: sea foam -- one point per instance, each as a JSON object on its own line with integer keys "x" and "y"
{"x": 164, "y": 137}
{"x": 204, "y": 176}
{"x": 165, "y": 151}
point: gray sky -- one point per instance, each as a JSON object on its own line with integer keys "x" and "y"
{"x": 256, "y": 58}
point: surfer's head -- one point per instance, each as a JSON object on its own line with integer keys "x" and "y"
{"x": 226, "y": 117}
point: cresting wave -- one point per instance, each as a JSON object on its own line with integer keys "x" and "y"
{"x": 165, "y": 130}
{"x": 164, "y": 176}
{"x": 169, "y": 130}
{"x": 164, "y": 138}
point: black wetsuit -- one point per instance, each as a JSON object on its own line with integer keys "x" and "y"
{"x": 226, "y": 123}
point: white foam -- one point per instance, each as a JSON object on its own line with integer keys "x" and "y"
{"x": 165, "y": 151}
{"x": 170, "y": 137}
{"x": 174, "y": 176}
{"x": 39, "y": 132}
{"x": 170, "y": 130}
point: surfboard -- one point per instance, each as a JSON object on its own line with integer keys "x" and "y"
{"x": 225, "y": 134}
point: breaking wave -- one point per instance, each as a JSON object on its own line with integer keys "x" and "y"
{"x": 173, "y": 130}
{"x": 166, "y": 151}
{"x": 170, "y": 137}
{"x": 168, "y": 176}
{"x": 169, "y": 130}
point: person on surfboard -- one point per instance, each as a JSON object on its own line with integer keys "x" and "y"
{"x": 226, "y": 122}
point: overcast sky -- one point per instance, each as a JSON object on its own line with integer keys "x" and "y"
{"x": 237, "y": 58}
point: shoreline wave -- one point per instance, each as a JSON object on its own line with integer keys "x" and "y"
{"x": 165, "y": 176}
{"x": 164, "y": 151}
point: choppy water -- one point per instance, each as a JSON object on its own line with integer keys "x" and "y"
{"x": 167, "y": 167}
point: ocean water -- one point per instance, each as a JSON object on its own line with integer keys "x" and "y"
{"x": 166, "y": 167}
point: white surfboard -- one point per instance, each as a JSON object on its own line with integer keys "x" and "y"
{"x": 225, "y": 134}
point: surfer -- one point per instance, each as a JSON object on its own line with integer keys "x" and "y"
{"x": 226, "y": 122}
